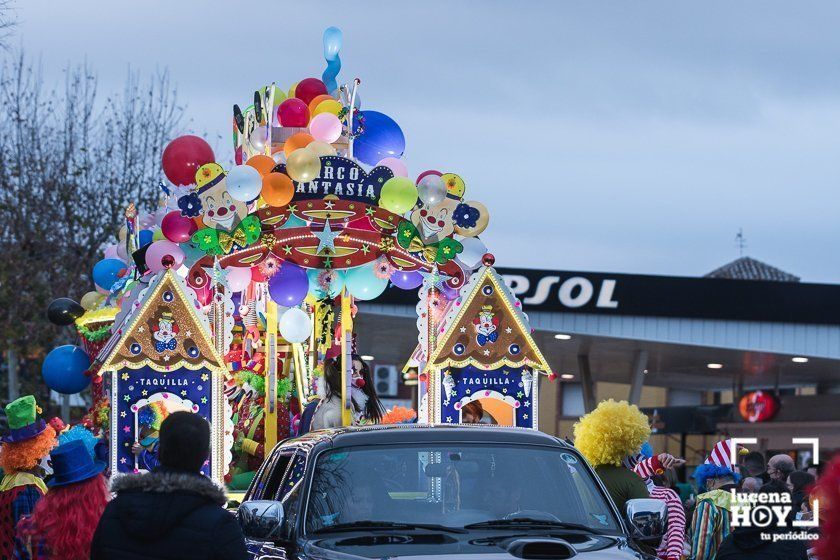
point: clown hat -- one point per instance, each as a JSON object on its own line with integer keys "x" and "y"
{"x": 721, "y": 454}
{"x": 73, "y": 463}
{"x": 24, "y": 423}
{"x": 208, "y": 175}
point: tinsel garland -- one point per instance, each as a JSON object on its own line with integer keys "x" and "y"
{"x": 94, "y": 335}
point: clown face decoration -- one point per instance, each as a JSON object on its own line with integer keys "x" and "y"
{"x": 434, "y": 222}
{"x": 164, "y": 333}
{"x": 220, "y": 210}
{"x": 486, "y": 326}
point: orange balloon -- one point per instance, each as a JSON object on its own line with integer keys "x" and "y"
{"x": 316, "y": 100}
{"x": 262, "y": 163}
{"x": 277, "y": 189}
{"x": 297, "y": 141}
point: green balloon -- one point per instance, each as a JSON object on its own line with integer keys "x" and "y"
{"x": 399, "y": 195}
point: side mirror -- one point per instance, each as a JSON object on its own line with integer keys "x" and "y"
{"x": 647, "y": 518}
{"x": 262, "y": 520}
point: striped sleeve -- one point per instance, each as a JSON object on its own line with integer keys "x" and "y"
{"x": 649, "y": 467}
{"x": 671, "y": 547}
{"x": 703, "y": 538}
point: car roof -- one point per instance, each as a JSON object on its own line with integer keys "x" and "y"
{"x": 427, "y": 433}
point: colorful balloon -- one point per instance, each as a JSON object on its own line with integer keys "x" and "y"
{"x": 238, "y": 278}
{"x": 177, "y": 228}
{"x": 325, "y": 127}
{"x": 295, "y": 325}
{"x": 431, "y": 189}
{"x": 473, "y": 253}
{"x": 328, "y": 106}
{"x": 289, "y": 285}
{"x": 296, "y": 141}
{"x": 64, "y": 311}
{"x": 64, "y": 369}
{"x": 406, "y": 280}
{"x": 91, "y": 300}
{"x": 164, "y": 254}
{"x": 259, "y": 138}
{"x": 303, "y": 165}
{"x": 325, "y": 283}
{"x": 107, "y": 271}
{"x": 396, "y": 165}
{"x": 321, "y": 148}
{"x": 112, "y": 252}
{"x": 183, "y": 156}
{"x": 310, "y": 88}
{"x": 316, "y": 101}
{"x": 363, "y": 283}
{"x": 244, "y": 183}
{"x": 398, "y": 195}
{"x": 277, "y": 189}
{"x": 332, "y": 46}
{"x": 382, "y": 137}
{"x": 262, "y": 163}
{"x": 146, "y": 237}
{"x": 293, "y": 112}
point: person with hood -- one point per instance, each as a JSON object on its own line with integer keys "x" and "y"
{"x": 710, "y": 523}
{"x": 173, "y": 511}
{"x": 29, "y": 441}
{"x": 64, "y": 520}
{"x": 751, "y": 543}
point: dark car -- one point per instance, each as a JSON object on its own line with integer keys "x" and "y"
{"x": 419, "y": 492}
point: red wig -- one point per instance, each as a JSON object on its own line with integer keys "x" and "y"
{"x": 66, "y": 518}
{"x": 828, "y": 492}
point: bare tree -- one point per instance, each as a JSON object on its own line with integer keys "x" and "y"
{"x": 69, "y": 165}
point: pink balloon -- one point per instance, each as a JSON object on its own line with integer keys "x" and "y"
{"x": 325, "y": 127}
{"x": 238, "y": 278}
{"x": 164, "y": 254}
{"x": 293, "y": 112}
{"x": 177, "y": 228}
{"x": 113, "y": 252}
{"x": 396, "y": 165}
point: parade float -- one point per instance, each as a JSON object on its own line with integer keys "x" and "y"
{"x": 226, "y": 299}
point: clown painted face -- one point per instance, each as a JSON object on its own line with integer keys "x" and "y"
{"x": 435, "y": 222}
{"x": 485, "y": 327}
{"x": 165, "y": 331}
{"x": 220, "y": 210}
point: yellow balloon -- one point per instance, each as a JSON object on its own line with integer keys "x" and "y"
{"x": 91, "y": 300}
{"x": 303, "y": 165}
{"x": 279, "y": 95}
{"x": 321, "y": 148}
{"x": 292, "y": 90}
{"x": 328, "y": 106}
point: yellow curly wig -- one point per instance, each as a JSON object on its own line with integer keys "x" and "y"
{"x": 611, "y": 432}
{"x": 25, "y": 455}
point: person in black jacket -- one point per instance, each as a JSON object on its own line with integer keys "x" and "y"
{"x": 747, "y": 543}
{"x": 173, "y": 512}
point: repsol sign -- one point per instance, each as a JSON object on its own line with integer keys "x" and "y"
{"x": 573, "y": 292}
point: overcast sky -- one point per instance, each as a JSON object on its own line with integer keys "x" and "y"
{"x": 611, "y": 136}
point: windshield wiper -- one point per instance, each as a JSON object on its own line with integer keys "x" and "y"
{"x": 529, "y": 523}
{"x": 385, "y": 526}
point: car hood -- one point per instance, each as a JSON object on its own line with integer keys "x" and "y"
{"x": 359, "y": 546}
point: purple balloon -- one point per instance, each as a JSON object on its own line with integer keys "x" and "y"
{"x": 406, "y": 280}
{"x": 289, "y": 285}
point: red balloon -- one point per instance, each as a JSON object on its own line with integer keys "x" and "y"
{"x": 310, "y": 88}
{"x": 183, "y": 156}
{"x": 293, "y": 112}
{"x": 177, "y": 228}
{"x": 257, "y": 275}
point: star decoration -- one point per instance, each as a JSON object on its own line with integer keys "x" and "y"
{"x": 508, "y": 330}
{"x": 370, "y": 211}
{"x": 468, "y": 391}
{"x": 329, "y": 204}
{"x": 123, "y": 461}
{"x": 188, "y": 333}
{"x": 124, "y": 377}
{"x": 449, "y": 419}
{"x": 126, "y": 398}
{"x": 203, "y": 400}
{"x": 365, "y": 248}
{"x": 527, "y": 404}
{"x": 122, "y": 414}
{"x": 144, "y": 392}
{"x": 184, "y": 393}
{"x": 166, "y": 358}
{"x": 463, "y": 329}
{"x": 525, "y": 416}
{"x": 131, "y": 387}
{"x": 292, "y": 208}
{"x": 141, "y": 328}
{"x": 204, "y": 377}
{"x": 519, "y": 394}
{"x": 504, "y": 390}
{"x": 127, "y": 429}
{"x": 328, "y": 262}
{"x": 326, "y": 239}
{"x": 287, "y": 249}
{"x": 487, "y": 352}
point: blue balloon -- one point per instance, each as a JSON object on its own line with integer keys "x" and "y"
{"x": 106, "y": 272}
{"x": 289, "y": 285}
{"x": 382, "y": 137}
{"x": 332, "y": 46}
{"x": 363, "y": 283}
{"x": 146, "y": 236}
{"x": 64, "y": 369}
{"x": 406, "y": 280}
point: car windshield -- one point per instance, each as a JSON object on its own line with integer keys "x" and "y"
{"x": 454, "y": 486}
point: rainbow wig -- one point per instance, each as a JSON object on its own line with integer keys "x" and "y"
{"x": 153, "y": 415}
{"x": 709, "y": 470}
{"x": 611, "y": 432}
{"x": 25, "y": 455}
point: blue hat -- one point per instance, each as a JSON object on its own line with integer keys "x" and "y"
{"x": 72, "y": 463}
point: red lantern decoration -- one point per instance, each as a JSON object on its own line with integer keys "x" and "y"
{"x": 758, "y": 406}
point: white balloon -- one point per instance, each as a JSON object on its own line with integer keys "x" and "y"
{"x": 431, "y": 190}
{"x": 473, "y": 253}
{"x": 258, "y": 138}
{"x": 295, "y": 325}
{"x": 244, "y": 183}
